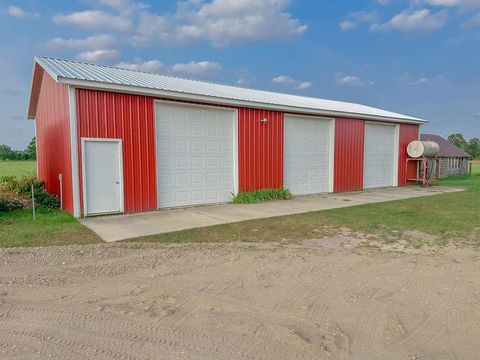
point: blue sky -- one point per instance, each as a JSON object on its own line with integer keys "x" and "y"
{"x": 417, "y": 57}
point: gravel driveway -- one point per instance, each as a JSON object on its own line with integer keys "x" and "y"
{"x": 312, "y": 300}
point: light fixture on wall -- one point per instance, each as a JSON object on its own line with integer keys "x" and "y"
{"x": 264, "y": 120}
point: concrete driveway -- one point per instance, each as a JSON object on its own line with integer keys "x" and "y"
{"x": 122, "y": 227}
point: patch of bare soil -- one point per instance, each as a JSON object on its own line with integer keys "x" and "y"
{"x": 311, "y": 300}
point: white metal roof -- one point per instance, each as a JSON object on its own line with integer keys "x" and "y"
{"x": 114, "y": 79}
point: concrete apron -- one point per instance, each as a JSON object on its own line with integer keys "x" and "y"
{"x": 122, "y": 227}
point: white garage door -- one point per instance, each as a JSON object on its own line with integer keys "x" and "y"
{"x": 380, "y": 163}
{"x": 307, "y": 154}
{"x": 195, "y": 154}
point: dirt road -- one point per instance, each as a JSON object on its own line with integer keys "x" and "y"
{"x": 313, "y": 300}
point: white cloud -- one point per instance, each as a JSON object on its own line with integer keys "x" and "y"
{"x": 221, "y": 22}
{"x": 286, "y": 80}
{"x": 352, "y": 80}
{"x": 304, "y": 85}
{"x": 465, "y": 4}
{"x": 201, "y": 69}
{"x": 98, "y": 55}
{"x": 356, "y": 18}
{"x": 419, "y": 81}
{"x": 414, "y": 21}
{"x": 153, "y": 28}
{"x": 151, "y": 66}
{"x": 123, "y": 6}
{"x": 242, "y": 82}
{"x": 22, "y": 14}
{"x": 472, "y": 22}
{"x": 347, "y": 25}
{"x": 283, "y": 79}
{"x": 383, "y": 2}
{"x": 424, "y": 79}
{"x": 245, "y": 80}
{"x": 100, "y": 41}
{"x": 94, "y": 20}
{"x": 198, "y": 69}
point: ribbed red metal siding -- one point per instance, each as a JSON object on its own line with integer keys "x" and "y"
{"x": 407, "y": 134}
{"x": 52, "y": 126}
{"x": 349, "y": 143}
{"x": 260, "y": 149}
{"x": 130, "y": 118}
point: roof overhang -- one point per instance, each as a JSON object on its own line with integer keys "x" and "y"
{"x": 40, "y": 67}
{"x": 175, "y": 95}
{"x": 36, "y": 85}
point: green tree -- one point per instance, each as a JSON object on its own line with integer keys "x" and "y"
{"x": 5, "y": 152}
{"x": 31, "y": 150}
{"x": 458, "y": 140}
{"x": 473, "y": 147}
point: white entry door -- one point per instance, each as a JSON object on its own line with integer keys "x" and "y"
{"x": 381, "y": 156}
{"x": 308, "y": 155}
{"x": 102, "y": 176}
{"x": 195, "y": 154}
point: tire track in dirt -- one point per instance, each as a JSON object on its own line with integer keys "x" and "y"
{"x": 143, "y": 332}
{"x": 371, "y": 326}
{"x": 459, "y": 325}
{"x": 227, "y": 301}
{"x": 430, "y": 328}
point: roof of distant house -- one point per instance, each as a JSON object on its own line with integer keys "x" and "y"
{"x": 447, "y": 149}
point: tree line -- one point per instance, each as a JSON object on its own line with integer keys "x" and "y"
{"x": 30, "y": 153}
{"x": 471, "y": 146}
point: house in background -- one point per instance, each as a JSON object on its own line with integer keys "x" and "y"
{"x": 453, "y": 160}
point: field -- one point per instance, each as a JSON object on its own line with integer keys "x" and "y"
{"x": 16, "y": 168}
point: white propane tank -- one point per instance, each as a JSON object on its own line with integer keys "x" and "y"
{"x": 418, "y": 149}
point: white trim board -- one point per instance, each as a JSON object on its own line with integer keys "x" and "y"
{"x": 236, "y": 169}
{"x": 74, "y": 151}
{"x": 331, "y": 160}
{"x": 396, "y": 155}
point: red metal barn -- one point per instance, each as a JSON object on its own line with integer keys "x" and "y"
{"x": 127, "y": 141}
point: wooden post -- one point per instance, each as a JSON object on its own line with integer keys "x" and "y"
{"x": 60, "y": 178}
{"x": 33, "y": 203}
{"x": 469, "y": 168}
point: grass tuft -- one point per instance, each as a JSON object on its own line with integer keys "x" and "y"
{"x": 250, "y": 197}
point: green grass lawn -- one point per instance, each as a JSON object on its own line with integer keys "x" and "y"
{"x": 17, "y": 168}
{"x": 454, "y": 216}
{"x": 51, "y": 227}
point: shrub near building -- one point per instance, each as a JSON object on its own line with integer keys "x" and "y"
{"x": 16, "y": 193}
